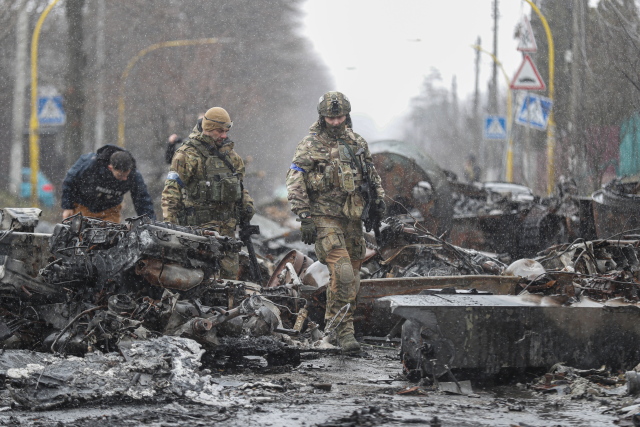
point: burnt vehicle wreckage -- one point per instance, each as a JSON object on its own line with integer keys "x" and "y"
{"x": 498, "y": 217}
{"x": 145, "y": 296}
{"x": 94, "y": 285}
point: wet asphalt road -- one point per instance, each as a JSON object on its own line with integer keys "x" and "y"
{"x": 363, "y": 392}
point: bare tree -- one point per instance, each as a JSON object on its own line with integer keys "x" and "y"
{"x": 74, "y": 91}
{"x": 262, "y": 71}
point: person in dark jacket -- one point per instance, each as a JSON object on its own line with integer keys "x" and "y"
{"x": 96, "y": 184}
{"x": 173, "y": 143}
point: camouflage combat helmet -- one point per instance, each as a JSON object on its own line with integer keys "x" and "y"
{"x": 334, "y": 104}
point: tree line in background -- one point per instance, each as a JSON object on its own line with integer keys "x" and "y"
{"x": 261, "y": 70}
{"x": 597, "y": 90}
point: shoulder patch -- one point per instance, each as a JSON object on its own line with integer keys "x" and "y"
{"x": 297, "y": 168}
{"x": 174, "y": 176}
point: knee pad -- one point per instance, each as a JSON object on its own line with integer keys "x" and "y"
{"x": 344, "y": 271}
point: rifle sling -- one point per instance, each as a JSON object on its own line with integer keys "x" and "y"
{"x": 353, "y": 156}
{"x": 221, "y": 156}
{"x": 365, "y": 171}
{"x": 224, "y": 157}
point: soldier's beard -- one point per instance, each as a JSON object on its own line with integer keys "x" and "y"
{"x": 335, "y": 131}
{"x": 210, "y": 140}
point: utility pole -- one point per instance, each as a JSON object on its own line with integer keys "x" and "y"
{"x": 493, "y": 106}
{"x": 74, "y": 81}
{"x": 476, "y": 93}
{"x": 492, "y": 160}
{"x": 455, "y": 110}
{"x": 476, "y": 106}
{"x": 19, "y": 93}
{"x": 575, "y": 152}
{"x": 100, "y": 60}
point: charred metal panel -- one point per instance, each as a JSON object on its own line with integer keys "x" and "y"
{"x": 374, "y": 318}
{"x": 492, "y": 332}
{"x": 19, "y": 219}
{"x": 22, "y": 255}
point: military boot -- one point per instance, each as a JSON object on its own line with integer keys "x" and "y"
{"x": 348, "y": 343}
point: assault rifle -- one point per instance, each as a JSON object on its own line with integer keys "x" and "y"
{"x": 245, "y": 233}
{"x": 370, "y": 215}
{"x": 246, "y": 229}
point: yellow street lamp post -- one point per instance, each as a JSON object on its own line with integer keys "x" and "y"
{"x": 34, "y": 136}
{"x": 551, "y": 126}
{"x": 134, "y": 60}
{"x": 509, "y": 165}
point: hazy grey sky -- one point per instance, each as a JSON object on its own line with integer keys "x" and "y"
{"x": 380, "y": 51}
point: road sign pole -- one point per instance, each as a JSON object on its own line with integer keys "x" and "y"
{"x": 509, "y": 106}
{"x": 509, "y": 176}
{"x": 34, "y": 147}
{"x": 551, "y": 127}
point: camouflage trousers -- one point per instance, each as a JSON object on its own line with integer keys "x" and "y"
{"x": 341, "y": 246}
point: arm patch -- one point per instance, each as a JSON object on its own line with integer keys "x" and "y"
{"x": 175, "y": 177}
{"x": 297, "y": 168}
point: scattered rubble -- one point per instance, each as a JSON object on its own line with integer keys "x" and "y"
{"x": 141, "y": 303}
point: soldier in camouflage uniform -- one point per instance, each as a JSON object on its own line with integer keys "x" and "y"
{"x": 204, "y": 186}
{"x": 323, "y": 186}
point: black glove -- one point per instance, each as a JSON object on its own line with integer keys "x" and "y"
{"x": 308, "y": 228}
{"x": 380, "y": 207}
{"x": 246, "y": 213}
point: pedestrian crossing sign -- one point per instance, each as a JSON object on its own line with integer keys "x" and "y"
{"x": 527, "y": 39}
{"x": 495, "y": 127}
{"x": 50, "y": 111}
{"x": 533, "y": 111}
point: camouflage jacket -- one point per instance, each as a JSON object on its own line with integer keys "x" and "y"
{"x": 188, "y": 167}
{"x": 324, "y": 179}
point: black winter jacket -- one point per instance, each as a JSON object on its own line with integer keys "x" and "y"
{"x": 90, "y": 183}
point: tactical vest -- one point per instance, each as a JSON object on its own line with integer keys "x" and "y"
{"x": 213, "y": 192}
{"x": 339, "y": 171}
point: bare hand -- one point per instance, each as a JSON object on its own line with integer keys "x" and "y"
{"x": 67, "y": 213}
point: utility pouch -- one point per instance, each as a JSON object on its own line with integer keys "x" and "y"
{"x": 329, "y": 176}
{"x": 315, "y": 181}
{"x": 343, "y": 153}
{"x": 353, "y": 206}
{"x": 225, "y": 188}
{"x": 347, "y": 182}
{"x": 199, "y": 190}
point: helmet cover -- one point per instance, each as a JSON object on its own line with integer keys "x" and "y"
{"x": 334, "y": 104}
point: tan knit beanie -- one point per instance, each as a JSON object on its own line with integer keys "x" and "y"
{"x": 216, "y": 118}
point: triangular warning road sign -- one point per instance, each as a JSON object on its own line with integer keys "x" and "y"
{"x": 527, "y": 77}
{"x": 527, "y": 39}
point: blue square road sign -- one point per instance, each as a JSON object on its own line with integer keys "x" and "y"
{"x": 50, "y": 111}
{"x": 495, "y": 127}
